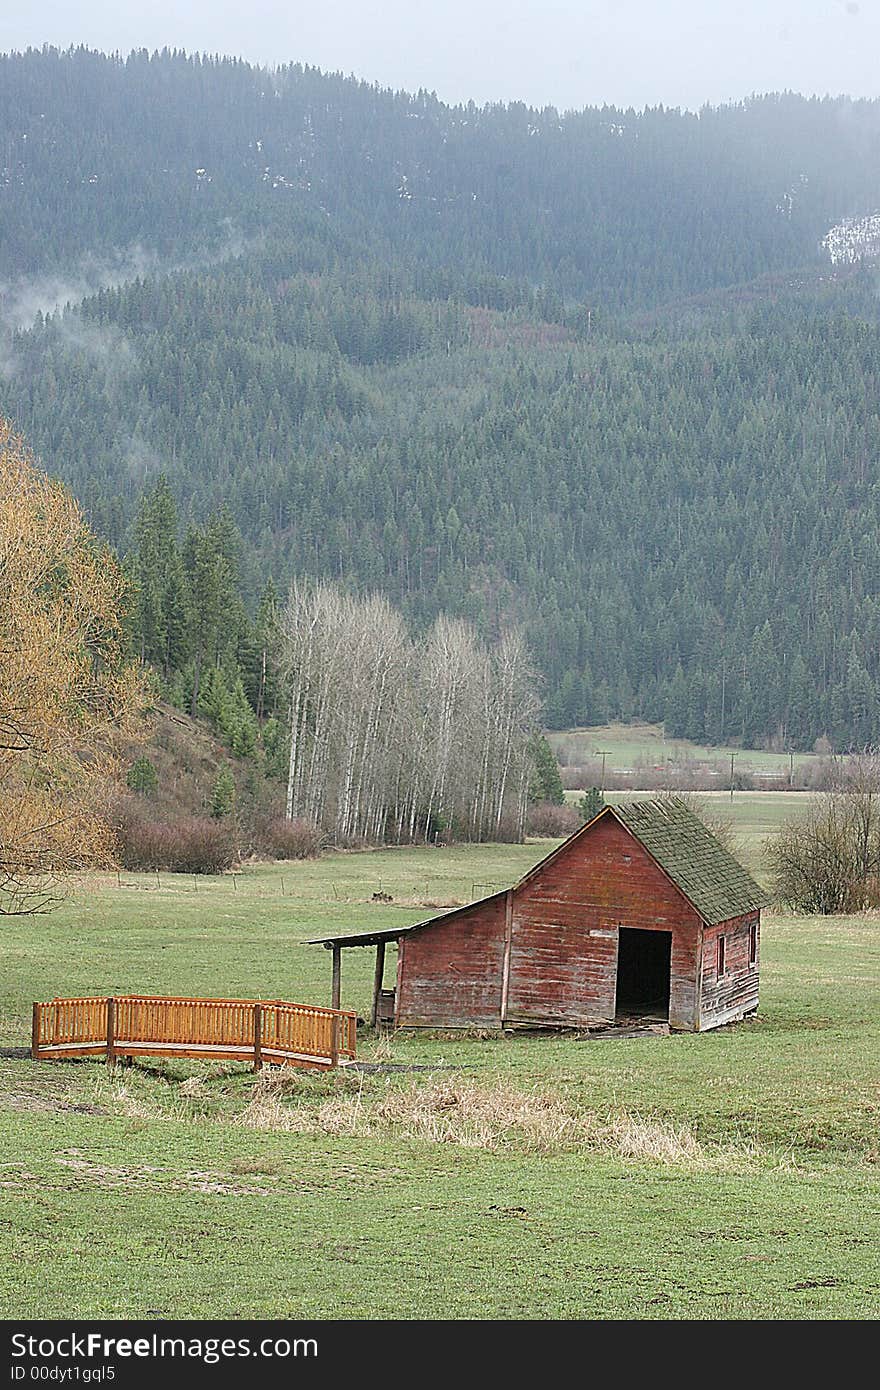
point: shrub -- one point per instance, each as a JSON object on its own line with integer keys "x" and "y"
{"x": 829, "y": 861}
{"x": 184, "y": 844}
{"x": 281, "y": 838}
{"x": 549, "y": 821}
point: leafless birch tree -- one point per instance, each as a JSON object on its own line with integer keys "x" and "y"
{"x": 395, "y": 739}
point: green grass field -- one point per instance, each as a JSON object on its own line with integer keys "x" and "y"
{"x": 727, "y": 1175}
{"x": 629, "y": 745}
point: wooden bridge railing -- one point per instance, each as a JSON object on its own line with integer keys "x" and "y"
{"x": 140, "y": 1025}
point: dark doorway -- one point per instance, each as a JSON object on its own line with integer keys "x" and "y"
{"x": 643, "y": 959}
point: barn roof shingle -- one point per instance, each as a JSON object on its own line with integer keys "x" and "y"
{"x": 696, "y": 861}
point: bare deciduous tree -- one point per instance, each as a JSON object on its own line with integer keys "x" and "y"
{"x": 396, "y": 739}
{"x": 829, "y": 860}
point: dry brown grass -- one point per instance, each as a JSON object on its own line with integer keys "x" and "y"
{"x": 193, "y": 1087}
{"x": 475, "y": 1115}
{"x": 496, "y": 1116}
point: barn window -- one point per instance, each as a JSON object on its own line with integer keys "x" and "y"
{"x": 722, "y": 954}
{"x": 753, "y": 943}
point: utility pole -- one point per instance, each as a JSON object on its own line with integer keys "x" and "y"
{"x": 603, "y": 754}
{"x": 732, "y": 756}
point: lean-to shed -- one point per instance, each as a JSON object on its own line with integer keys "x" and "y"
{"x": 642, "y": 912}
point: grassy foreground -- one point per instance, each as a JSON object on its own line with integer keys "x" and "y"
{"x": 733, "y": 1174}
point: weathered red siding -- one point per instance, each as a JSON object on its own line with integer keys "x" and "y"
{"x": 450, "y": 975}
{"x": 551, "y": 957}
{"x": 563, "y": 960}
{"x": 729, "y": 997}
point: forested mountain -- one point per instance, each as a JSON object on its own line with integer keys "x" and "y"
{"x": 594, "y": 372}
{"x": 615, "y": 207}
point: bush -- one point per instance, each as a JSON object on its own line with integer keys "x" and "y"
{"x": 281, "y": 838}
{"x": 184, "y": 844}
{"x": 830, "y": 860}
{"x": 550, "y": 822}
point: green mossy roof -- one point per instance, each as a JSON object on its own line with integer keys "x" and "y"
{"x": 710, "y": 878}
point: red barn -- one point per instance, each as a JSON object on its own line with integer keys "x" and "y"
{"x": 640, "y": 913}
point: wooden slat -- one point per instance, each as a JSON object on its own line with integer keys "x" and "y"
{"x": 111, "y": 1032}
{"x": 143, "y": 1025}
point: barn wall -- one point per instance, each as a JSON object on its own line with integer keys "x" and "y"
{"x": 563, "y": 961}
{"x": 563, "y": 935}
{"x": 450, "y": 974}
{"x": 736, "y": 993}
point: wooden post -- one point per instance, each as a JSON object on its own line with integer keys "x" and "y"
{"x": 258, "y": 1037}
{"x": 508, "y": 940}
{"x": 377, "y": 981}
{"x": 111, "y": 1031}
{"x": 334, "y": 1004}
{"x": 35, "y": 1033}
{"x": 337, "y": 963}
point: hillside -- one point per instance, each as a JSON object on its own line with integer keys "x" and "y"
{"x": 594, "y": 372}
{"x": 170, "y": 819}
{"x": 174, "y": 153}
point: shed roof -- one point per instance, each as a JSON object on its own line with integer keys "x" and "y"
{"x": 374, "y": 938}
{"x": 695, "y": 859}
{"x": 361, "y": 938}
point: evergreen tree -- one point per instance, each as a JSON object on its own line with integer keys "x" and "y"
{"x": 223, "y": 794}
{"x": 546, "y": 781}
{"x": 142, "y": 776}
{"x": 591, "y": 803}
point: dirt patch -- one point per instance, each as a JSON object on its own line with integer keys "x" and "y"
{"x": 15, "y": 1175}
{"x": 829, "y": 1283}
{"x": 145, "y": 1176}
{"x": 27, "y": 1100}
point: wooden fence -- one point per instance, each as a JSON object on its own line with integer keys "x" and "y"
{"x": 140, "y": 1025}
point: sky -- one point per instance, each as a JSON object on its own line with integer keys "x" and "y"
{"x": 563, "y": 53}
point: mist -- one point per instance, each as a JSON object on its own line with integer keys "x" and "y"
{"x": 566, "y": 53}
